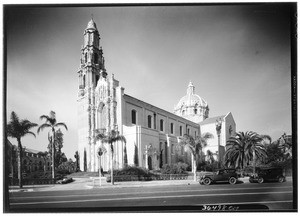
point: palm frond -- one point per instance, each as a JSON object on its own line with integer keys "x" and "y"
{"x": 43, "y": 126}
{"x": 61, "y": 124}
{"x": 29, "y": 132}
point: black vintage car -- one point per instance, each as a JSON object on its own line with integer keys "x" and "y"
{"x": 65, "y": 181}
{"x": 267, "y": 174}
{"x": 222, "y": 175}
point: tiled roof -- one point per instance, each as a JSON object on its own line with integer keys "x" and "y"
{"x": 212, "y": 120}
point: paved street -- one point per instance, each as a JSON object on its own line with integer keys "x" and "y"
{"x": 186, "y": 197}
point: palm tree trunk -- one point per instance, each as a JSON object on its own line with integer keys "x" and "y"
{"x": 12, "y": 163}
{"x": 112, "y": 165}
{"x": 194, "y": 167}
{"x": 20, "y": 177}
{"x": 195, "y": 171}
{"x": 254, "y": 161}
{"x": 53, "y": 155}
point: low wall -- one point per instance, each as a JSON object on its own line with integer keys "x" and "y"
{"x": 148, "y": 178}
{"x": 13, "y": 182}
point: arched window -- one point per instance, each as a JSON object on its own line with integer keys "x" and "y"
{"x": 133, "y": 116}
{"x": 149, "y": 121}
{"x": 161, "y": 124}
{"x": 180, "y": 131}
{"x": 172, "y": 128}
{"x": 188, "y": 131}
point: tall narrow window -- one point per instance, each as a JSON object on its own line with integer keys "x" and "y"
{"x": 161, "y": 124}
{"x": 180, "y": 130}
{"x": 172, "y": 128}
{"x": 96, "y": 58}
{"x": 188, "y": 131}
{"x": 154, "y": 121}
{"x": 133, "y": 116}
{"x": 149, "y": 121}
{"x": 83, "y": 81}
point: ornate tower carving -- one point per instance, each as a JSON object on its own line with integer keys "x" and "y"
{"x": 91, "y": 68}
{"x": 96, "y": 98}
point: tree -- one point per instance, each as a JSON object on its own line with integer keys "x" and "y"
{"x": 195, "y": 147}
{"x": 243, "y": 148}
{"x": 52, "y": 124}
{"x": 58, "y": 144}
{"x": 17, "y": 129}
{"x": 136, "y": 156}
{"x": 210, "y": 157}
{"x": 125, "y": 156}
{"x": 110, "y": 138}
{"x": 45, "y": 156}
{"x": 285, "y": 143}
{"x": 256, "y": 147}
{"x": 76, "y": 156}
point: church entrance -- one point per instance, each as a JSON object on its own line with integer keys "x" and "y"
{"x": 149, "y": 163}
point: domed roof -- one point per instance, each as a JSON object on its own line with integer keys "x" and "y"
{"x": 191, "y": 99}
{"x": 91, "y": 25}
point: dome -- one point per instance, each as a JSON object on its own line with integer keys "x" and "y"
{"x": 91, "y": 25}
{"x": 191, "y": 99}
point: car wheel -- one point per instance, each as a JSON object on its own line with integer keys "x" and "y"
{"x": 232, "y": 180}
{"x": 281, "y": 179}
{"x": 207, "y": 181}
{"x": 260, "y": 180}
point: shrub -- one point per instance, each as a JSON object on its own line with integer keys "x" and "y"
{"x": 179, "y": 168}
{"x": 131, "y": 171}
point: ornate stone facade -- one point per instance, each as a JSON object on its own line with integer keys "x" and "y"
{"x": 152, "y": 133}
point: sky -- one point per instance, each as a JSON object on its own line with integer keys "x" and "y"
{"x": 237, "y": 56}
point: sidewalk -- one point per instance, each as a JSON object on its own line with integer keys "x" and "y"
{"x": 93, "y": 183}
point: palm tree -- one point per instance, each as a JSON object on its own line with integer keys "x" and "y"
{"x": 256, "y": 147}
{"x": 111, "y": 138}
{"x": 195, "y": 147}
{"x": 243, "y": 148}
{"x": 17, "y": 129}
{"x": 51, "y": 123}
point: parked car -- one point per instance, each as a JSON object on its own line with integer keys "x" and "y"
{"x": 267, "y": 174}
{"x": 64, "y": 181}
{"x": 222, "y": 175}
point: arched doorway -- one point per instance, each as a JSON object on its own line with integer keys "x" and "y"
{"x": 149, "y": 163}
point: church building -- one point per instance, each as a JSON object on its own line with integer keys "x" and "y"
{"x": 152, "y": 134}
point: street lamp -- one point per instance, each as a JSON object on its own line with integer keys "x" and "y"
{"x": 218, "y": 129}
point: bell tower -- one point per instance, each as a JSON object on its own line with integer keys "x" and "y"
{"x": 90, "y": 71}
